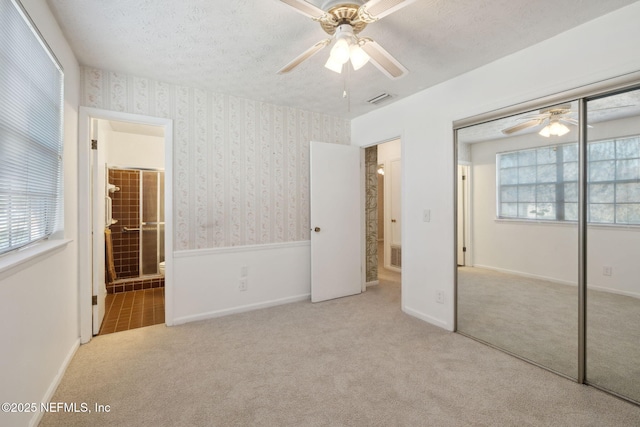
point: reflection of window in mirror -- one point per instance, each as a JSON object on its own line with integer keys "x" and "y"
{"x": 542, "y": 183}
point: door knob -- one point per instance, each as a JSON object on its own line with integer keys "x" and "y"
{"x": 317, "y": 229}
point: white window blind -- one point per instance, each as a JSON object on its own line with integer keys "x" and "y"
{"x": 31, "y": 99}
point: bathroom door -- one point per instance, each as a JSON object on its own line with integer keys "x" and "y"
{"x": 336, "y": 220}
{"x": 99, "y": 221}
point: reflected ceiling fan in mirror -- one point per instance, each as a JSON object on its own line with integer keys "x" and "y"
{"x": 344, "y": 20}
{"x": 556, "y": 119}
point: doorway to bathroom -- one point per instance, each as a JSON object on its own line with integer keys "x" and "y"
{"x": 132, "y": 156}
{"x": 129, "y": 229}
{"x": 134, "y": 248}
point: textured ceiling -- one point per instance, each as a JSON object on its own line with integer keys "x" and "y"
{"x": 614, "y": 107}
{"x": 236, "y": 47}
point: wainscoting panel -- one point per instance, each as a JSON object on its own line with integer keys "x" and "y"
{"x": 210, "y": 279}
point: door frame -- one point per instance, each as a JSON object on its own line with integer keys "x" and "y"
{"x": 468, "y": 257}
{"x": 85, "y": 258}
{"x": 99, "y": 206}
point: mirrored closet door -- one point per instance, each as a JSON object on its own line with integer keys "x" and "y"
{"x": 548, "y": 275}
{"x": 613, "y": 244}
{"x": 518, "y": 288}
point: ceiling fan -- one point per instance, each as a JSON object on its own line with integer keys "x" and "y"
{"x": 344, "y": 20}
{"x": 556, "y": 118}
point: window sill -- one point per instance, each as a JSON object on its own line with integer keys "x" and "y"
{"x": 536, "y": 222}
{"x": 594, "y": 226}
{"x": 15, "y": 261}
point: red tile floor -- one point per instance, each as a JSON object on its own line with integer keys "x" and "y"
{"x": 135, "y": 309}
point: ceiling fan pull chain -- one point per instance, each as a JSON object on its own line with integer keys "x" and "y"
{"x": 345, "y": 90}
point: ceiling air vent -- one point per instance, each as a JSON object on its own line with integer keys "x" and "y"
{"x": 380, "y": 98}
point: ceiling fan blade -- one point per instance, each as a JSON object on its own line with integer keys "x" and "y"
{"x": 304, "y": 56}
{"x": 522, "y": 126}
{"x": 573, "y": 122}
{"x": 535, "y": 116}
{"x": 378, "y": 9}
{"x": 305, "y": 8}
{"x": 383, "y": 60}
{"x": 569, "y": 121}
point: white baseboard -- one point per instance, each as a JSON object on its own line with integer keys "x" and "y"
{"x": 37, "y": 417}
{"x": 429, "y": 319}
{"x": 240, "y": 309}
{"x": 529, "y": 275}
{"x": 613, "y": 291}
{"x": 372, "y": 283}
{"x": 561, "y": 282}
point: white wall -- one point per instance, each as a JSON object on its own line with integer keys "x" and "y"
{"x": 134, "y": 150}
{"x": 597, "y": 50}
{"x": 549, "y": 250}
{"x": 39, "y": 301}
{"x": 389, "y": 151}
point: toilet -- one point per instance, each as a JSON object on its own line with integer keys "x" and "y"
{"x": 162, "y": 268}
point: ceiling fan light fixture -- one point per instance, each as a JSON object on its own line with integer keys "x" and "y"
{"x": 554, "y": 128}
{"x": 344, "y": 20}
{"x": 340, "y": 52}
{"x": 333, "y": 65}
{"x": 358, "y": 56}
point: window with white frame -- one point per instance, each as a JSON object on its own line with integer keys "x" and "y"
{"x": 31, "y": 105}
{"x": 542, "y": 183}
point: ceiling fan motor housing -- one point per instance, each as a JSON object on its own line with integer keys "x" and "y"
{"x": 340, "y": 14}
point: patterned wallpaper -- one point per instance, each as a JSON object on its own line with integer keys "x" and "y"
{"x": 241, "y": 167}
{"x": 371, "y": 212}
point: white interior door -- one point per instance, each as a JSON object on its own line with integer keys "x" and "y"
{"x": 99, "y": 220}
{"x": 395, "y": 181}
{"x": 335, "y": 221}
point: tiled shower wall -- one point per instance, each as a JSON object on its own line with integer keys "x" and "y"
{"x": 240, "y": 167}
{"x": 126, "y": 209}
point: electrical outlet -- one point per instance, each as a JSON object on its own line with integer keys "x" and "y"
{"x": 607, "y": 271}
{"x": 440, "y": 297}
{"x": 243, "y": 284}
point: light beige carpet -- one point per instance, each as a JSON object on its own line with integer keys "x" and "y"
{"x": 356, "y": 361}
{"x": 538, "y": 320}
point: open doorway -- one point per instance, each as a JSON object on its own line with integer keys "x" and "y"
{"x": 127, "y": 257}
{"x": 383, "y": 212}
{"x": 135, "y": 227}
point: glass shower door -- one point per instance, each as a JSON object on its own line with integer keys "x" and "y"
{"x": 152, "y": 226}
